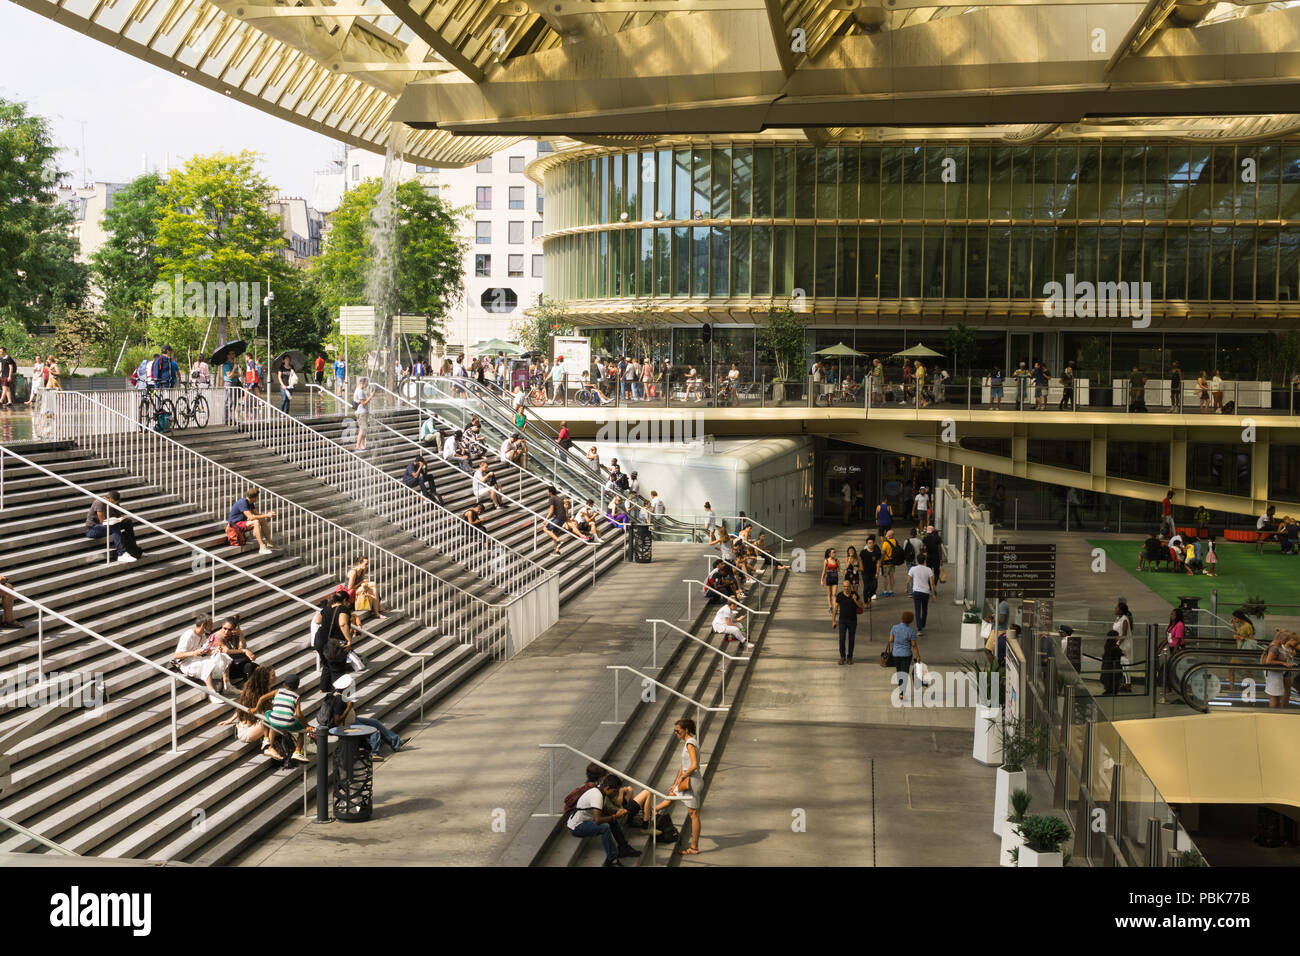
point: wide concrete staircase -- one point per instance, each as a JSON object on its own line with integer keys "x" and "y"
{"x": 643, "y": 746}
{"x": 105, "y": 781}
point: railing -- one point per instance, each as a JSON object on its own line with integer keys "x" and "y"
{"x": 626, "y": 778}
{"x": 375, "y": 489}
{"x": 199, "y": 557}
{"x": 696, "y": 520}
{"x": 654, "y": 622}
{"x": 712, "y": 559}
{"x": 539, "y": 519}
{"x": 647, "y": 679}
{"x": 496, "y": 629}
{"x": 33, "y": 835}
{"x": 724, "y": 597}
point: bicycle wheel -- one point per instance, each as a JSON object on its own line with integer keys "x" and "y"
{"x": 147, "y": 410}
{"x": 165, "y": 420}
{"x": 182, "y": 413}
{"x": 199, "y": 412}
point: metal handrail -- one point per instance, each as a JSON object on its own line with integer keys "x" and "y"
{"x": 654, "y": 662}
{"x": 691, "y": 516}
{"x": 162, "y": 461}
{"x": 413, "y": 512}
{"x": 619, "y": 773}
{"x": 33, "y": 835}
{"x": 207, "y": 555}
{"x": 749, "y": 544}
{"x": 754, "y": 578}
{"x": 719, "y": 594}
{"x": 676, "y": 693}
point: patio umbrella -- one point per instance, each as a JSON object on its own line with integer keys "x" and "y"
{"x": 493, "y": 346}
{"x": 840, "y": 349}
{"x": 238, "y": 346}
{"x": 297, "y": 360}
{"x": 918, "y": 351}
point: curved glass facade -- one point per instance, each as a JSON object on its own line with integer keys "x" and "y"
{"x": 955, "y": 221}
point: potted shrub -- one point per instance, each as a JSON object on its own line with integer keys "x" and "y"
{"x": 1011, "y": 838}
{"x": 1022, "y": 744}
{"x": 970, "y": 630}
{"x": 1043, "y": 836}
{"x": 986, "y": 679}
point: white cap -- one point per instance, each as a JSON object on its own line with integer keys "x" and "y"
{"x": 345, "y": 685}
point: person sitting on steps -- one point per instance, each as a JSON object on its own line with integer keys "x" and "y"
{"x": 100, "y": 521}
{"x": 244, "y": 515}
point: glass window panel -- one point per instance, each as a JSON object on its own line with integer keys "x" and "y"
{"x": 721, "y": 205}
{"x": 762, "y": 183}
{"x": 782, "y": 260}
{"x": 1130, "y": 261}
{"x": 1108, "y": 255}
{"x": 762, "y": 261}
{"x": 977, "y": 179}
{"x": 936, "y": 190}
{"x": 632, "y": 201}
{"x": 1090, "y": 352}
{"x": 1241, "y": 252}
{"x": 1222, "y": 175}
{"x": 663, "y": 262}
{"x": 1266, "y": 265}
{"x": 616, "y": 198}
{"x": 1064, "y": 258}
{"x": 645, "y": 270}
{"x": 804, "y": 260}
{"x": 602, "y": 265}
{"x": 913, "y": 182}
{"x": 682, "y": 261}
{"x": 976, "y": 262}
{"x": 700, "y": 261}
{"x": 1175, "y": 263}
{"x": 664, "y": 184}
{"x": 515, "y": 266}
{"x": 1085, "y": 262}
{"x": 681, "y": 184}
{"x": 688, "y": 349}
{"x": 826, "y": 257}
{"x": 955, "y": 196}
{"x": 869, "y": 193}
{"x": 891, "y": 179}
{"x": 1245, "y": 195}
{"x": 1156, "y": 191}
{"x": 1000, "y": 182}
{"x": 742, "y": 182}
{"x": 700, "y": 198}
{"x": 1222, "y": 468}
{"x": 999, "y": 256}
{"x": 615, "y": 263}
{"x": 1134, "y": 194}
{"x": 1268, "y": 167}
{"x": 1044, "y": 269}
{"x": 1112, "y": 183}
{"x": 630, "y": 260}
{"x": 805, "y": 193}
{"x": 1088, "y": 190}
{"x": 849, "y": 176}
{"x": 828, "y": 172}
{"x": 733, "y": 346}
{"x": 868, "y": 262}
{"x": 955, "y": 260}
{"x": 783, "y": 182}
{"x": 1045, "y": 182}
{"x": 602, "y": 189}
{"x": 1022, "y": 182}
{"x": 848, "y": 262}
{"x": 1198, "y": 262}
{"x": 1289, "y": 194}
{"x": 516, "y": 198}
{"x": 720, "y": 268}
{"x": 911, "y": 262}
{"x": 891, "y": 241}
{"x": 932, "y": 262}
{"x": 740, "y": 260}
{"x": 515, "y": 232}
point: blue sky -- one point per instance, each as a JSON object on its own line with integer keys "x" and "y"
{"x": 130, "y": 107}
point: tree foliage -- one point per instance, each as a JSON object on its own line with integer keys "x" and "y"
{"x": 649, "y": 333}
{"x": 539, "y": 326}
{"x": 80, "y": 336}
{"x": 961, "y": 343}
{"x": 39, "y": 273}
{"x": 126, "y": 265}
{"x": 783, "y": 336}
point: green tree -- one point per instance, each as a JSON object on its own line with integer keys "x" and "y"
{"x": 429, "y": 251}
{"x": 214, "y": 227}
{"x": 39, "y": 274}
{"x": 541, "y": 324}
{"x": 783, "y": 336}
{"x": 126, "y": 265}
{"x": 79, "y": 336}
{"x": 649, "y": 333}
{"x": 961, "y": 343}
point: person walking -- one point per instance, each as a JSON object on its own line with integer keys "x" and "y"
{"x": 361, "y": 400}
{"x": 830, "y": 578}
{"x": 287, "y": 379}
{"x": 903, "y": 650}
{"x": 845, "y": 617}
{"x": 1176, "y": 389}
{"x": 1216, "y": 391}
{"x": 884, "y": 518}
{"x": 1123, "y": 628}
{"x": 1167, "y": 513}
{"x": 1067, "y": 389}
{"x": 922, "y": 584}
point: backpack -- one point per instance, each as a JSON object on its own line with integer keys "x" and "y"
{"x": 571, "y": 801}
{"x": 887, "y": 549}
{"x": 664, "y": 824}
{"x": 333, "y": 647}
{"x": 909, "y": 552}
{"x": 235, "y": 537}
{"x": 622, "y": 481}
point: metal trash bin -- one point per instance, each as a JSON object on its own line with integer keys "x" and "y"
{"x": 1190, "y": 607}
{"x": 639, "y": 544}
{"x": 353, "y": 774}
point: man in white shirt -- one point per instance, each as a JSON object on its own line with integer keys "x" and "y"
{"x": 846, "y": 492}
{"x": 519, "y": 399}
{"x": 451, "y": 452}
{"x": 557, "y": 379}
{"x": 921, "y": 506}
{"x": 657, "y": 507}
{"x": 484, "y": 484}
{"x": 727, "y": 621}
{"x": 589, "y": 819}
{"x": 921, "y": 583}
{"x": 199, "y": 658}
{"x": 588, "y": 515}
{"x": 633, "y": 485}
{"x": 361, "y": 403}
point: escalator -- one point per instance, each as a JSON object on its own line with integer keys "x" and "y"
{"x": 1222, "y": 678}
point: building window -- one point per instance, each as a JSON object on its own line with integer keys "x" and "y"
{"x": 544, "y": 147}
{"x": 537, "y": 229}
{"x": 515, "y": 265}
{"x": 516, "y": 235}
{"x": 516, "y": 164}
{"x": 423, "y": 169}
{"x": 484, "y": 166}
{"x": 482, "y": 265}
{"x": 483, "y": 197}
{"x": 483, "y": 233}
{"x": 356, "y": 171}
{"x": 516, "y": 197}
{"x": 537, "y": 267}
{"x": 498, "y": 300}
{"x": 539, "y": 200}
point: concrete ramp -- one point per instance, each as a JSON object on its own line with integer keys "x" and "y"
{"x": 1247, "y": 758}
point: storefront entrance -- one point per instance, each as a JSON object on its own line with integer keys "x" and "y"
{"x": 871, "y": 476}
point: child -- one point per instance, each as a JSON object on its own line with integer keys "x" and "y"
{"x": 1211, "y": 560}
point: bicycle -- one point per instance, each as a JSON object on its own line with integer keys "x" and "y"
{"x": 191, "y": 408}
{"x": 156, "y": 411}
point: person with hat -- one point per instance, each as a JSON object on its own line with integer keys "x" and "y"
{"x": 341, "y": 709}
{"x": 921, "y": 506}
{"x": 588, "y": 817}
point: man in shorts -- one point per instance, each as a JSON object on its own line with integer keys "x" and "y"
{"x": 244, "y": 515}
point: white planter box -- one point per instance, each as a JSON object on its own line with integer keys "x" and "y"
{"x": 970, "y": 635}
{"x": 1011, "y": 839}
{"x": 988, "y": 736}
{"x": 1007, "y": 781}
{"x": 1029, "y": 858}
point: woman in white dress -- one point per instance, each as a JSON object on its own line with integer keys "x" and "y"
{"x": 1124, "y": 628}
{"x": 199, "y": 654}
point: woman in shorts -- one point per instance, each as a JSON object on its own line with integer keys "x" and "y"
{"x": 830, "y": 578}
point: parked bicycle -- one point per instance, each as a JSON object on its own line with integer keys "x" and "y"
{"x": 157, "y": 412}
{"x": 191, "y": 408}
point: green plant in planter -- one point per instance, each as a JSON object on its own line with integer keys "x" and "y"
{"x": 1014, "y": 856}
{"x": 1019, "y": 804}
{"x": 1024, "y": 743}
{"x": 1043, "y": 833}
{"x": 970, "y": 616}
{"x": 1191, "y": 858}
{"x": 976, "y": 667}
{"x": 1255, "y": 606}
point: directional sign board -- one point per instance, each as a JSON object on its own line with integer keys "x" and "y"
{"x": 357, "y": 319}
{"x": 1020, "y": 570}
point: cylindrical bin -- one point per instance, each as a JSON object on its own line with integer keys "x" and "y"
{"x": 353, "y": 774}
{"x": 639, "y": 544}
{"x": 1191, "y": 616}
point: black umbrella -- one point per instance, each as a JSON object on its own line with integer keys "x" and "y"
{"x": 297, "y": 360}
{"x": 238, "y": 347}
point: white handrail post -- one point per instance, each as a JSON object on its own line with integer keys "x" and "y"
{"x": 723, "y": 668}
{"x": 40, "y": 644}
{"x": 422, "y": 688}
{"x": 550, "y": 791}
{"x": 175, "y": 748}
{"x": 688, "y": 602}
{"x": 615, "y": 697}
{"x": 213, "y": 594}
{"x": 654, "y": 647}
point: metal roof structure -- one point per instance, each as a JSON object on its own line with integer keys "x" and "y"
{"x": 464, "y": 78}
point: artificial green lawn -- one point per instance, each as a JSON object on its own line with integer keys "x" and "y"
{"x": 1242, "y": 573}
